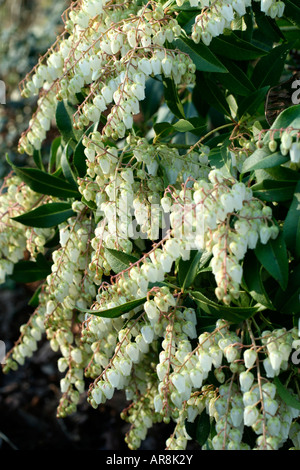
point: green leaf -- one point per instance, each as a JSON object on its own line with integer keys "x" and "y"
{"x": 153, "y": 99}
{"x": 182, "y": 125}
{"x": 116, "y": 312}
{"x": 269, "y": 68}
{"x": 44, "y": 183}
{"x": 232, "y": 314}
{"x": 262, "y": 158}
{"x": 66, "y": 165}
{"x": 273, "y": 257}
{"x": 64, "y": 121}
{"x": 35, "y": 299}
{"x": 287, "y": 301}
{"x": 252, "y": 275}
{"x": 290, "y": 117}
{"x": 172, "y": 99}
{"x": 31, "y": 271}
{"x": 234, "y": 48}
{"x": 199, "y": 429}
{"x": 53, "y": 154}
{"x": 212, "y": 94}
{"x": 251, "y": 103}
{"x": 47, "y": 215}
{"x": 37, "y": 157}
{"x": 118, "y": 260}
{"x": 285, "y": 395}
{"x": 291, "y": 226}
{"x": 236, "y": 80}
{"x": 267, "y": 26}
{"x": 201, "y": 55}
{"x": 292, "y": 11}
{"x": 279, "y": 173}
{"x": 202, "y": 428}
{"x": 187, "y": 270}
{"x": 274, "y": 191}
{"x": 79, "y": 158}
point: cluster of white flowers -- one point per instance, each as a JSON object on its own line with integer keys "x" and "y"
{"x": 16, "y": 198}
{"x": 176, "y": 389}
{"x": 220, "y": 15}
{"x": 290, "y": 145}
{"x": 112, "y": 60}
{"x": 30, "y": 334}
{"x": 255, "y": 403}
{"x": 138, "y": 190}
{"x": 201, "y": 217}
{"x": 128, "y": 199}
{"x": 69, "y": 286}
{"x": 279, "y": 345}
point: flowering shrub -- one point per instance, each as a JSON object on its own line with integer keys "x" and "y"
{"x": 164, "y": 224}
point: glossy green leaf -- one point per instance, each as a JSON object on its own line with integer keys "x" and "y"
{"x": 37, "y": 157}
{"x": 232, "y": 314}
{"x": 210, "y": 92}
{"x": 116, "y": 312}
{"x": 31, "y": 271}
{"x": 290, "y": 117}
{"x": 201, "y": 55}
{"x": 269, "y": 68}
{"x": 187, "y": 270}
{"x": 292, "y": 11}
{"x": 285, "y": 394}
{"x": 202, "y": 428}
{"x": 252, "y": 276}
{"x": 252, "y": 102}
{"x": 274, "y": 191}
{"x": 235, "y": 48}
{"x": 79, "y": 158}
{"x": 154, "y": 96}
{"x": 263, "y": 158}
{"x": 291, "y": 226}
{"x": 64, "y": 121}
{"x": 44, "y": 183}
{"x": 236, "y": 80}
{"x": 53, "y": 163}
{"x": 287, "y": 301}
{"x": 35, "y": 299}
{"x": 267, "y": 26}
{"x": 118, "y": 260}
{"x": 273, "y": 257}
{"x": 46, "y": 215}
{"x": 163, "y": 129}
{"x": 172, "y": 99}
{"x": 66, "y": 165}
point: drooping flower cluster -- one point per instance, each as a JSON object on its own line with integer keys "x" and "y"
{"x": 290, "y": 145}
{"x": 108, "y": 55}
{"x": 221, "y": 216}
{"x": 141, "y": 332}
{"x": 219, "y": 15}
{"x": 16, "y": 198}
{"x": 69, "y": 286}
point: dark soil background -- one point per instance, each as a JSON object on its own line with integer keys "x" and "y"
{"x": 29, "y": 398}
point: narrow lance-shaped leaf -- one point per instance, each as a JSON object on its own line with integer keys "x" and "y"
{"x": 232, "y": 314}
{"x": 187, "y": 270}
{"x": 44, "y": 183}
{"x": 46, "y": 215}
{"x": 203, "y": 58}
{"x": 119, "y": 260}
{"x": 285, "y": 395}
{"x": 31, "y": 271}
{"x": 117, "y": 311}
{"x": 66, "y": 165}
{"x": 273, "y": 256}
